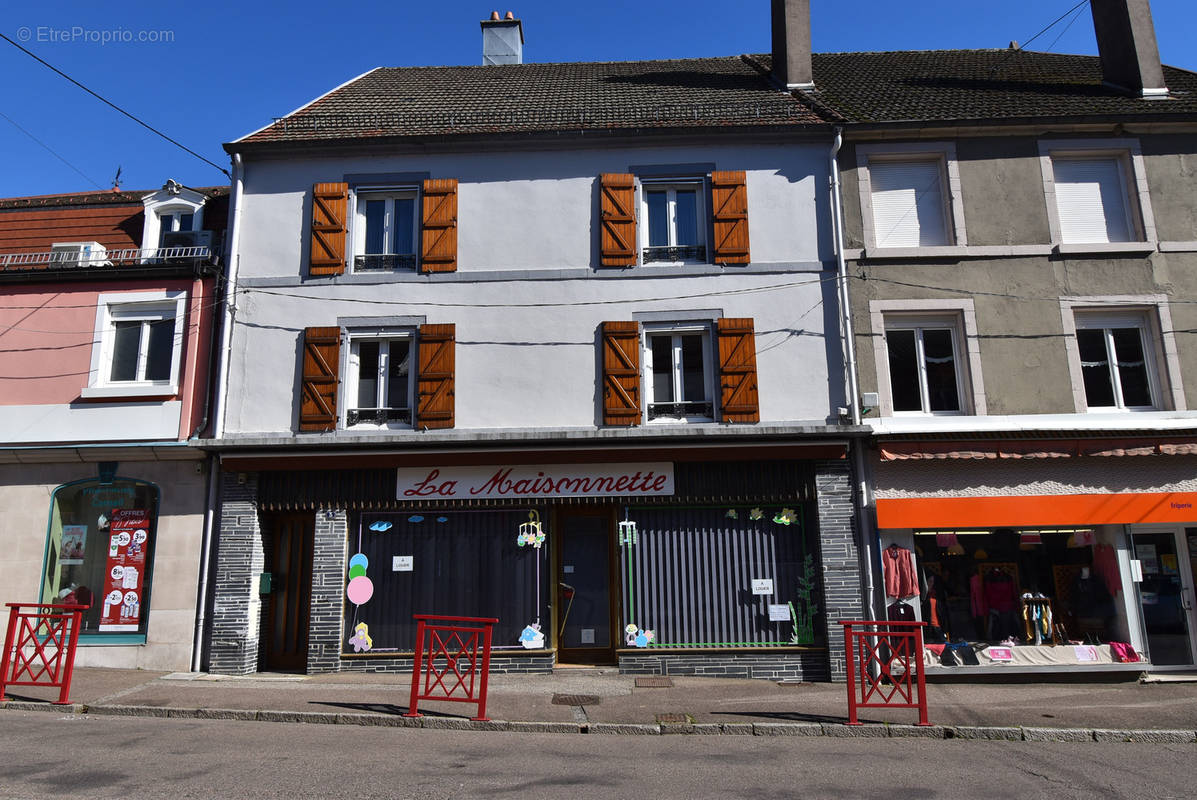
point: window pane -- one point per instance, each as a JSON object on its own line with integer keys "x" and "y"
{"x": 1132, "y": 367}
{"x": 161, "y": 350}
{"x": 397, "y": 373}
{"x": 942, "y": 391}
{"x": 186, "y": 221}
{"x": 375, "y": 220}
{"x": 367, "y": 375}
{"x": 687, "y": 217}
{"x": 903, "y": 371}
{"x": 126, "y": 341}
{"x": 403, "y": 235}
{"x": 662, "y": 350}
{"x": 1095, "y": 367}
{"x": 658, "y": 219}
{"x": 694, "y": 384}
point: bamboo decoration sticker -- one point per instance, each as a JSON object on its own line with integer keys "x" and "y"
{"x": 532, "y": 638}
{"x": 360, "y": 588}
{"x": 361, "y": 640}
{"x": 756, "y": 513}
{"x": 637, "y": 637}
{"x": 802, "y": 615}
{"x": 787, "y": 516}
{"x": 531, "y": 532}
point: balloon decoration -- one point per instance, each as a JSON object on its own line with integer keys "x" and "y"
{"x": 360, "y": 588}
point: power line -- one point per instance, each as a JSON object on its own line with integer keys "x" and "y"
{"x": 113, "y": 105}
{"x": 50, "y": 150}
{"x": 1049, "y": 26}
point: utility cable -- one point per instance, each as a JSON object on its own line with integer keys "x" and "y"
{"x": 51, "y": 151}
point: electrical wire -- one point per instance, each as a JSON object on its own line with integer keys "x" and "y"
{"x": 51, "y": 151}
{"x": 114, "y": 106}
{"x": 1049, "y": 26}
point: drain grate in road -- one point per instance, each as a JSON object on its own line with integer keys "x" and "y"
{"x": 576, "y": 700}
{"x": 675, "y": 719}
{"x": 654, "y": 682}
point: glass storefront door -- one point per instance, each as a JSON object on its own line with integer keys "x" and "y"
{"x": 584, "y": 597}
{"x": 1166, "y": 594}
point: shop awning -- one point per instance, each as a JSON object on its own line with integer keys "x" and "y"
{"x": 1035, "y": 448}
{"x": 1019, "y": 511}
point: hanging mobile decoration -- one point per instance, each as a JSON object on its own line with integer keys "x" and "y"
{"x": 638, "y": 637}
{"x": 733, "y": 514}
{"x": 531, "y": 532}
{"x": 361, "y": 640}
{"x": 531, "y": 637}
{"x": 756, "y": 513}
{"x": 787, "y": 516}
{"x": 628, "y": 534}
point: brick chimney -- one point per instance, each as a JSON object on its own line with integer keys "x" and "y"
{"x": 1130, "y": 58}
{"x": 791, "y": 44}
{"x": 502, "y": 40}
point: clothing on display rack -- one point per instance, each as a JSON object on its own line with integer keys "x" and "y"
{"x": 901, "y": 612}
{"x": 897, "y": 566}
{"x": 1105, "y": 564}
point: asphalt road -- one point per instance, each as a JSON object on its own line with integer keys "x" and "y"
{"x": 50, "y": 755}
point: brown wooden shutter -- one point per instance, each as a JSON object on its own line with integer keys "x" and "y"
{"x": 617, "y": 201}
{"x": 438, "y": 242}
{"x": 330, "y": 204}
{"x": 621, "y": 373}
{"x": 318, "y": 384}
{"x": 729, "y": 214}
{"x": 435, "y": 393}
{"x": 738, "y": 399}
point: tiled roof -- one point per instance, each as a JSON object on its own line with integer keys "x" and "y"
{"x": 946, "y": 85}
{"x": 525, "y": 98}
{"x": 103, "y": 198}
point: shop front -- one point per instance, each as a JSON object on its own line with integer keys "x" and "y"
{"x": 657, "y": 566}
{"x": 1021, "y": 562}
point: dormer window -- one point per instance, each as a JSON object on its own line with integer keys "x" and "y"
{"x": 171, "y": 209}
{"x": 173, "y": 221}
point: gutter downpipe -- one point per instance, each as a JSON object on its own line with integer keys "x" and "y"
{"x": 230, "y": 296}
{"x": 868, "y": 532}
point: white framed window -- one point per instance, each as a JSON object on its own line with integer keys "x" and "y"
{"x": 173, "y": 221}
{"x": 679, "y": 373}
{"x": 910, "y": 196}
{"x": 380, "y": 390}
{"x": 1096, "y": 192}
{"x": 673, "y": 221}
{"x": 139, "y": 342}
{"x": 1116, "y": 361}
{"x": 171, "y": 209}
{"x": 928, "y": 358}
{"x": 385, "y": 230}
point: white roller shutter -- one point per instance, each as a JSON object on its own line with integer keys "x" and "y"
{"x": 1091, "y": 201}
{"x": 908, "y": 204}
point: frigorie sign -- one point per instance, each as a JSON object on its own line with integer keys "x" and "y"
{"x": 531, "y": 482}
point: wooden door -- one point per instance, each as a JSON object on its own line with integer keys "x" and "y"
{"x": 289, "y": 542}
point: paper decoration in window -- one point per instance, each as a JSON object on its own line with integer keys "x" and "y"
{"x": 636, "y": 637}
{"x": 531, "y": 637}
{"x": 359, "y": 559}
{"x": 787, "y": 516}
{"x": 442, "y": 519}
{"x": 733, "y": 514}
{"x": 415, "y": 518}
{"x": 361, "y": 640}
{"x": 380, "y": 527}
{"x": 531, "y": 533}
{"x": 628, "y": 533}
{"x": 756, "y": 513}
{"x": 802, "y": 614}
{"x": 360, "y": 588}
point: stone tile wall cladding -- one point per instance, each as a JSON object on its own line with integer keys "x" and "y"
{"x": 540, "y": 663}
{"x": 810, "y": 666}
{"x": 839, "y": 557}
{"x": 329, "y": 567}
{"x": 236, "y": 611}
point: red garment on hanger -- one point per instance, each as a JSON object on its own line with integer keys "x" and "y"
{"x": 897, "y": 565}
{"x": 1105, "y": 564}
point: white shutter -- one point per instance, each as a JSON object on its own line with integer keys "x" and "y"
{"x": 1091, "y": 201}
{"x": 908, "y": 204}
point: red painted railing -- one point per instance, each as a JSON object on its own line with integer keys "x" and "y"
{"x": 447, "y": 665}
{"x": 885, "y": 666}
{"x": 39, "y": 646}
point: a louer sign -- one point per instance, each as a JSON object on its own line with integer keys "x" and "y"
{"x": 545, "y": 480}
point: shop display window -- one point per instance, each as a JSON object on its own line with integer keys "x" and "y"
{"x": 1037, "y": 597}
{"x": 100, "y": 553}
{"x": 462, "y": 563}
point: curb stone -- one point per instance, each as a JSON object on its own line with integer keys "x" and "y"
{"x": 546, "y": 727}
{"x": 624, "y": 728}
{"x": 26, "y": 705}
{"x": 988, "y": 734}
{"x": 127, "y": 711}
{"x": 1149, "y": 736}
{"x": 457, "y": 724}
{"x": 787, "y": 729}
{"x": 226, "y": 713}
{"x": 1057, "y": 735}
{"x": 738, "y": 728}
{"x": 918, "y": 732}
{"x": 838, "y": 730}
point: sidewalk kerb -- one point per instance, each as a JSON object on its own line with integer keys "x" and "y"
{"x": 1057, "y": 734}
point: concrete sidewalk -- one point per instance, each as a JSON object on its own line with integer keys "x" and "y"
{"x": 603, "y": 701}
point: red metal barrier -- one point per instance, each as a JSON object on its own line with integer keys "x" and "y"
{"x": 887, "y": 660}
{"x": 39, "y": 647}
{"x": 438, "y": 672}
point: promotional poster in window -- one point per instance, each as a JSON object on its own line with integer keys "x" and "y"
{"x": 128, "y": 533}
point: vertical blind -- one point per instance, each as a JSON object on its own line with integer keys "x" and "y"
{"x": 908, "y": 204}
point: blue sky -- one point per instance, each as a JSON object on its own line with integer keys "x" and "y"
{"x": 222, "y": 69}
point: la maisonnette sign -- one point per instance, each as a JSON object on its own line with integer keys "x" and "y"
{"x": 550, "y": 480}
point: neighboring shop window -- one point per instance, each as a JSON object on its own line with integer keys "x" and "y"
{"x": 718, "y": 577}
{"x": 1029, "y": 597}
{"x": 100, "y": 552}
{"x": 459, "y": 563}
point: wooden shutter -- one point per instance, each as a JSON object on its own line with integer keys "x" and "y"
{"x": 435, "y": 381}
{"x": 617, "y": 201}
{"x": 318, "y": 384}
{"x": 738, "y": 399}
{"x": 330, "y": 204}
{"x": 438, "y": 243}
{"x": 621, "y": 373}
{"x": 729, "y": 215}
